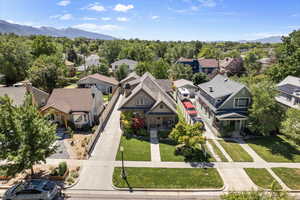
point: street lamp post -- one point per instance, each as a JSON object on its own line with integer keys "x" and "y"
{"x": 123, "y": 173}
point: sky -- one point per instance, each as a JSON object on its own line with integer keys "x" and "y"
{"x": 205, "y": 20}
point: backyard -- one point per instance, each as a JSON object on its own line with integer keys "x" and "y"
{"x": 164, "y": 178}
{"x": 135, "y": 148}
{"x": 275, "y": 149}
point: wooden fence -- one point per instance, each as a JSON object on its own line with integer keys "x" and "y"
{"x": 104, "y": 116}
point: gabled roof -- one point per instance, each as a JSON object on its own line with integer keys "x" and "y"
{"x": 125, "y": 61}
{"x": 231, "y": 116}
{"x": 183, "y": 82}
{"x": 131, "y": 75}
{"x": 292, "y": 80}
{"x": 149, "y": 84}
{"x": 67, "y": 100}
{"x": 166, "y": 84}
{"x": 204, "y": 62}
{"x": 17, "y": 94}
{"x": 159, "y": 101}
{"x": 220, "y": 86}
{"x": 100, "y": 77}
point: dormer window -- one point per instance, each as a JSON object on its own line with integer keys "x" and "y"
{"x": 242, "y": 102}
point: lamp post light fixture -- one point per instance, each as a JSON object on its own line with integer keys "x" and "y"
{"x": 123, "y": 173}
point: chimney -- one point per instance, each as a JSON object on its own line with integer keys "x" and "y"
{"x": 211, "y": 89}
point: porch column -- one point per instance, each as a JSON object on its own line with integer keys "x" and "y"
{"x": 241, "y": 124}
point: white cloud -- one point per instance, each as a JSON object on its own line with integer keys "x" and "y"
{"x": 96, "y": 7}
{"x": 105, "y": 18}
{"x": 208, "y": 3}
{"x": 62, "y": 17}
{"x": 155, "y": 17}
{"x": 259, "y": 35}
{"x": 97, "y": 28}
{"x": 123, "y": 8}
{"x": 89, "y": 18}
{"x": 122, "y": 19}
{"x": 64, "y": 3}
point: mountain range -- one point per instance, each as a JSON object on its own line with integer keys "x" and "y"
{"x": 6, "y": 27}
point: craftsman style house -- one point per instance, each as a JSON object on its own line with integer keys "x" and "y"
{"x": 204, "y": 65}
{"x": 79, "y": 106}
{"x": 289, "y": 92}
{"x": 103, "y": 83}
{"x": 149, "y": 99}
{"x": 225, "y": 104}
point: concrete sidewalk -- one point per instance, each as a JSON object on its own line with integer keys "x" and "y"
{"x": 155, "y": 153}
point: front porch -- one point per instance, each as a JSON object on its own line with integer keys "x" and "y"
{"x": 230, "y": 124}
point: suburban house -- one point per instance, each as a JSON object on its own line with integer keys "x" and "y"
{"x": 79, "y": 106}
{"x": 185, "y": 88}
{"x": 103, "y": 83}
{"x": 132, "y": 76}
{"x": 224, "y": 103}
{"x": 148, "y": 99}
{"x": 92, "y": 60}
{"x": 130, "y": 63}
{"x": 18, "y": 95}
{"x": 204, "y": 65}
{"x": 231, "y": 66}
{"x": 289, "y": 92}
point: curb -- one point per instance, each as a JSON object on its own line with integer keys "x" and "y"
{"x": 170, "y": 190}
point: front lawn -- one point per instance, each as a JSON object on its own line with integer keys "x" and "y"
{"x": 168, "y": 178}
{"x": 262, "y": 178}
{"x": 168, "y": 154}
{"x": 135, "y": 149}
{"x": 290, "y": 176}
{"x": 235, "y": 151}
{"x": 106, "y": 97}
{"x": 217, "y": 151}
{"x": 275, "y": 149}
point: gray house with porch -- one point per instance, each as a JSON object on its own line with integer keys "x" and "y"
{"x": 225, "y": 104}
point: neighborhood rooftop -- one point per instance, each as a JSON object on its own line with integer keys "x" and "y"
{"x": 103, "y": 78}
{"x": 220, "y": 86}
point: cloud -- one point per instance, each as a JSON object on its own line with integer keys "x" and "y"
{"x": 259, "y": 35}
{"x": 294, "y": 27}
{"x": 97, "y": 28}
{"x": 123, "y": 8}
{"x": 155, "y": 17}
{"x": 208, "y": 3}
{"x": 122, "y": 19}
{"x": 295, "y": 15}
{"x": 105, "y": 18}
{"x": 95, "y": 7}
{"x": 64, "y": 3}
{"x": 89, "y": 18}
{"x": 62, "y": 17}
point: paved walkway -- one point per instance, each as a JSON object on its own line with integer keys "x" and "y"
{"x": 211, "y": 149}
{"x": 155, "y": 153}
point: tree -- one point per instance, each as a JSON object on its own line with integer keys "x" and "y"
{"x": 142, "y": 67}
{"x": 47, "y": 72}
{"x": 180, "y": 71}
{"x": 26, "y": 137}
{"x": 101, "y": 69}
{"x": 199, "y": 78}
{"x": 291, "y": 124}
{"x": 264, "y": 114}
{"x": 159, "y": 69}
{"x": 42, "y": 45}
{"x": 122, "y": 72}
{"x": 251, "y": 63}
{"x": 15, "y": 59}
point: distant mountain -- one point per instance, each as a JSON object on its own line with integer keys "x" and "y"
{"x": 6, "y": 27}
{"x": 272, "y": 39}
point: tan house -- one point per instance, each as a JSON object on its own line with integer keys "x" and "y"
{"x": 80, "y": 106}
{"x": 103, "y": 83}
{"x": 148, "y": 99}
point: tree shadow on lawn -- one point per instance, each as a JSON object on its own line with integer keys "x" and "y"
{"x": 277, "y": 145}
{"x": 137, "y": 137}
{"x": 194, "y": 157}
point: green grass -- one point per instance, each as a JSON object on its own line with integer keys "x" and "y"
{"x": 235, "y": 151}
{"x": 290, "y": 176}
{"x": 135, "y": 149}
{"x": 275, "y": 149}
{"x": 262, "y": 178}
{"x": 168, "y": 178}
{"x": 218, "y": 151}
{"x": 168, "y": 154}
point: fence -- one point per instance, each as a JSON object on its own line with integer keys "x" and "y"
{"x": 104, "y": 116}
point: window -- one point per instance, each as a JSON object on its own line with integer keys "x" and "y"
{"x": 141, "y": 102}
{"x": 241, "y": 102}
{"x": 161, "y": 106}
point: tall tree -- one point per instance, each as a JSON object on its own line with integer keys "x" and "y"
{"x": 180, "y": 71}
{"x": 251, "y": 63}
{"x": 26, "y": 137}
{"x": 122, "y": 72}
{"x": 15, "y": 59}
{"x": 47, "y": 72}
{"x": 291, "y": 124}
{"x": 43, "y": 45}
{"x": 199, "y": 78}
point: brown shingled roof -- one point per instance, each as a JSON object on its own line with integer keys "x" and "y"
{"x": 204, "y": 62}
{"x": 67, "y": 100}
{"x": 103, "y": 78}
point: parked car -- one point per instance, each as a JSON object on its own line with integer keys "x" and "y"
{"x": 183, "y": 93}
{"x": 34, "y": 189}
{"x": 190, "y": 108}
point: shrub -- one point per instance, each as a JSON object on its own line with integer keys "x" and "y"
{"x": 143, "y": 132}
{"x": 70, "y": 180}
{"x": 62, "y": 168}
{"x": 138, "y": 123}
{"x": 74, "y": 174}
